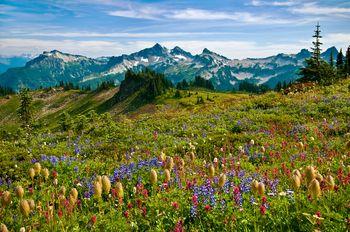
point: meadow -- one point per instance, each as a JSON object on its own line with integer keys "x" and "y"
{"x": 232, "y": 162}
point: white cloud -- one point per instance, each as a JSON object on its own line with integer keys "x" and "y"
{"x": 91, "y": 48}
{"x": 314, "y": 9}
{"x": 144, "y": 12}
{"x": 123, "y": 35}
{"x": 273, "y": 3}
{"x": 193, "y": 14}
{"x": 340, "y": 40}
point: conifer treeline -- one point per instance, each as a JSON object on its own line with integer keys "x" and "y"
{"x": 321, "y": 71}
{"x": 6, "y": 91}
{"x": 198, "y": 82}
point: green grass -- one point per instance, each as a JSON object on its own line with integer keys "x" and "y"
{"x": 107, "y": 142}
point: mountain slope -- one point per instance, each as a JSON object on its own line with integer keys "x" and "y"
{"x": 49, "y": 68}
{"x": 7, "y": 62}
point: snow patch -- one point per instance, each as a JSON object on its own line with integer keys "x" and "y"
{"x": 242, "y": 75}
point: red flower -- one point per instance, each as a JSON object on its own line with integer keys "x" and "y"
{"x": 130, "y": 205}
{"x": 31, "y": 190}
{"x": 262, "y": 209}
{"x": 195, "y": 200}
{"x": 175, "y": 205}
{"x": 54, "y": 174}
{"x": 60, "y": 213}
{"x": 93, "y": 219}
{"x": 126, "y": 214}
{"x": 264, "y": 199}
{"x": 207, "y": 208}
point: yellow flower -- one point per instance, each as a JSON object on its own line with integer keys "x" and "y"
{"x": 106, "y": 184}
{"x": 211, "y": 170}
{"x": 6, "y": 198}
{"x": 296, "y": 172}
{"x": 296, "y": 181}
{"x": 261, "y": 188}
{"x": 153, "y": 176}
{"x": 32, "y": 173}
{"x": 3, "y": 228}
{"x": 37, "y": 168}
{"x": 169, "y": 163}
{"x": 31, "y": 204}
{"x": 45, "y": 173}
{"x": 319, "y": 177}
{"x": 167, "y": 175}
{"x": 314, "y": 189}
{"x": 19, "y": 192}
{"x": 62, "y": 191}
{"x": 97, "y": 189}
{"x": 99, "y": 179}
{"x": 222, "y": 180}
{"x": 74, "y": 193}
{"x": 330, "y": 182}
{"x": 24, "y": 208}
{"x": 310, "y": 174}
{"x": 120, "y": 190}
{"x": 192, "y": 155}
{"x": 254, "y": 186}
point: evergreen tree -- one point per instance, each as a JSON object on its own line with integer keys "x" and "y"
{"x": 316, "y": 50}
{"x": 65, "y": 121}
{"x": 278, "y": 86}
{"x": 340, "y": 60}
{"x": 316, "y": 69}
{"x": 331, "y": 60}
{"x": 347, "y": 61}
{"x": 5, "y": 91}
{"x": 24, "y": 111}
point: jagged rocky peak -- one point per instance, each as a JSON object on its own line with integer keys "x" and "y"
{"x": 179, "y": 53}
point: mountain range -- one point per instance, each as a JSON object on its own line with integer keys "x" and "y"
{"x": 50, "y": 68}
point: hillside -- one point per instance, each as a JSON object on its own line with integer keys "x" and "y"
{"x": 51, "y": 68}
{"x": 222, "y": 157}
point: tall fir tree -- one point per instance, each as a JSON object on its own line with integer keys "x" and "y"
{"x": 24, "y": 111}
{"x": 316, "y": 69}
{"x": 316, "y": 49}
{"x": 340, "y": 60}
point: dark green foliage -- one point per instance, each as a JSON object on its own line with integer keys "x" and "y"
{"x": 340, "y": 60}
{"x": 105, "y": 85}
{"x": 316, "y": 50}
{"x": 314, "y": 71}
{"x": 198, "y": 82}
{"x": 68, "y": 85}
{"x": 246, "y": 86}
{"x": 200, "y": 100}
{"x": 24, "y": 111}
{"x": 6, "y": 91}
{"x": 278, "y": 87}
{"x": 65, "y": 121}
{"x": 331, "y": 60}
{"x": 177, "y": 94}
{"x": 202, "y": 83}
{"x": 347, "y": 61}
{"x": 147, "y": 84}
{"x": 183, "y": 85}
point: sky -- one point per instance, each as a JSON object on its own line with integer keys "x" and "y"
{"x": 234, "y": 28}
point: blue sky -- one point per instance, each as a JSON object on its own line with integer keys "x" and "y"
{"x": 234, "y": 28}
